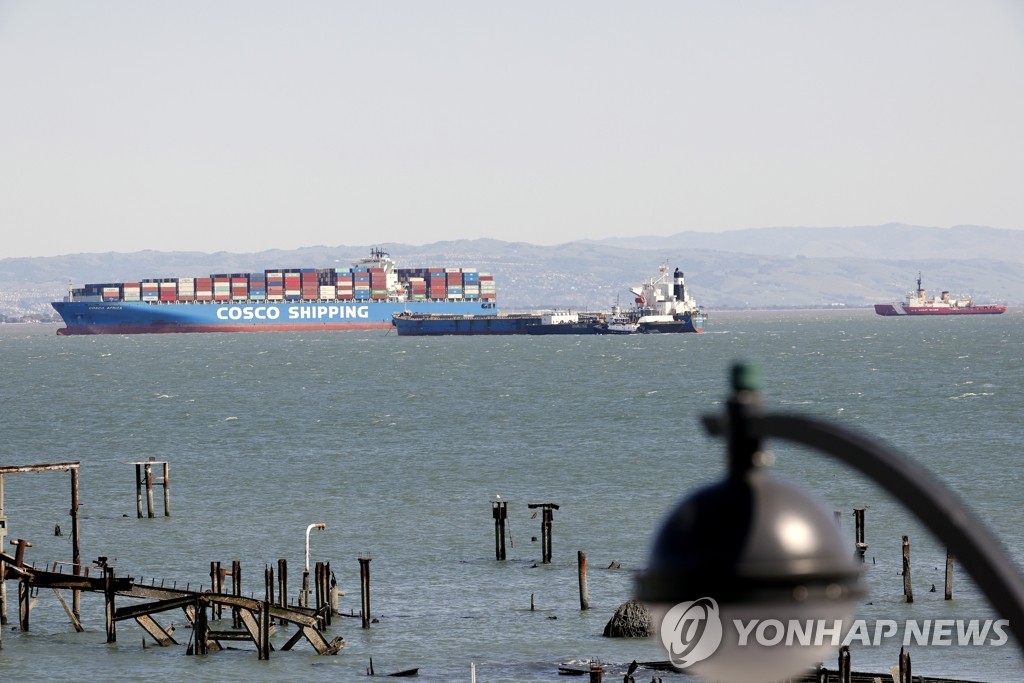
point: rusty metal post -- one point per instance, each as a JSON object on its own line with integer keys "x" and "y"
{"x": 24, "y": 587}
{"x": 19, "y": 554}
{"x": 364, "y": 587}
{"x": 581, "y": 560}
{"x": 596, "y": 672}
{"x": 499, "y": 510}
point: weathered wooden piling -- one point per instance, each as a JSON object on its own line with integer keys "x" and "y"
{"x": 236, "y": 590}
{"x": 268, "y": 586}
{"x": 263, "y": 641}
{"x": 905, "y": 675}
{"x": 282, "y": 582}
{"x": 322, "y": 588}
{"x": 581, "y": 562}
{"x": 949, "y": 575}
{"x": 845, "y": 665}
{"x": 108, "y": 596}
{"x": 547, "y": 517}
{"x": 144, "y": 479}
{"x": 201, "y": 629}
{"x": 364, "y": 589}
{"x": 861, "y": 545}
{"x": 24, "y": 603}
{"x": 908, "y": 589}
{"x": 335, "y": 593}
{"x": 596, "y": 672}
{"x": 499, "y": 510}
{"x": 216, "y": 586}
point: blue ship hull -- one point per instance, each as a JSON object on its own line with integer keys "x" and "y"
{"x": 138, "y": 317}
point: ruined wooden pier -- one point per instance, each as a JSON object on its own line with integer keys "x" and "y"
{"x": 254, "y": 617}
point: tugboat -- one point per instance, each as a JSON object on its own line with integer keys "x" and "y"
{"x": 918, "y": 303}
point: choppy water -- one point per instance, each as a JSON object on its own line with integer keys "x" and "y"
{"x": 399, "y": 444}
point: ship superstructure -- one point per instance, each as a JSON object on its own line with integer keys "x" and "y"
{"x": 917, "y": 302}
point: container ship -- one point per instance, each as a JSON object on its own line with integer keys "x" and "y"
{"x": 662, "y": 304}
{"x": 364, "y": 297}
{"x": 918, "y": 303}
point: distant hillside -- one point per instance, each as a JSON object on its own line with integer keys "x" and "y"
{"x": 894, "y": 241}
{"x": 761, "y": 268}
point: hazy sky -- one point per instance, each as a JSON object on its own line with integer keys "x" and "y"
{"x": 251, "y": 125}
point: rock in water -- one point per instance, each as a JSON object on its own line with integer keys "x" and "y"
{"x": 631, "y": 620}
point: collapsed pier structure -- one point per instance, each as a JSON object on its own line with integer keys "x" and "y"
{"x": 252, "y": 619}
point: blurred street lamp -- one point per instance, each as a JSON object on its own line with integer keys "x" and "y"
{"x": 763, "y": 548}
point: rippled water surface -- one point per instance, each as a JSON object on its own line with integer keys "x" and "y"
{"x": 400, "y": 444}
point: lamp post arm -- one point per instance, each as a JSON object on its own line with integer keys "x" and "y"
{"x": 978, "y": 551}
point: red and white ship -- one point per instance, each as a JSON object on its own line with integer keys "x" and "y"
{"x": 917, "y": 303}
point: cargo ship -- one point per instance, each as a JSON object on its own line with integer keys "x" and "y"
{"x": 662, "y": 305}
{"x": 918, "y": 303}
{"x": 363, "y": 297}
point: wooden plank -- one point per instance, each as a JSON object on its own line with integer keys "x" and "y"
{"x": 67, "y": 610}
{"x": 59, "y": 466}
{"x": 158, "y": 633}
{"x": 134, "y": 611}
{"x": 228, "y": 635}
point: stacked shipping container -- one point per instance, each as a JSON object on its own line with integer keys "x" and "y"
{"x": 358, "y": 284}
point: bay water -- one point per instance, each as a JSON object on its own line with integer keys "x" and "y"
{"x": 399, "y": 445}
